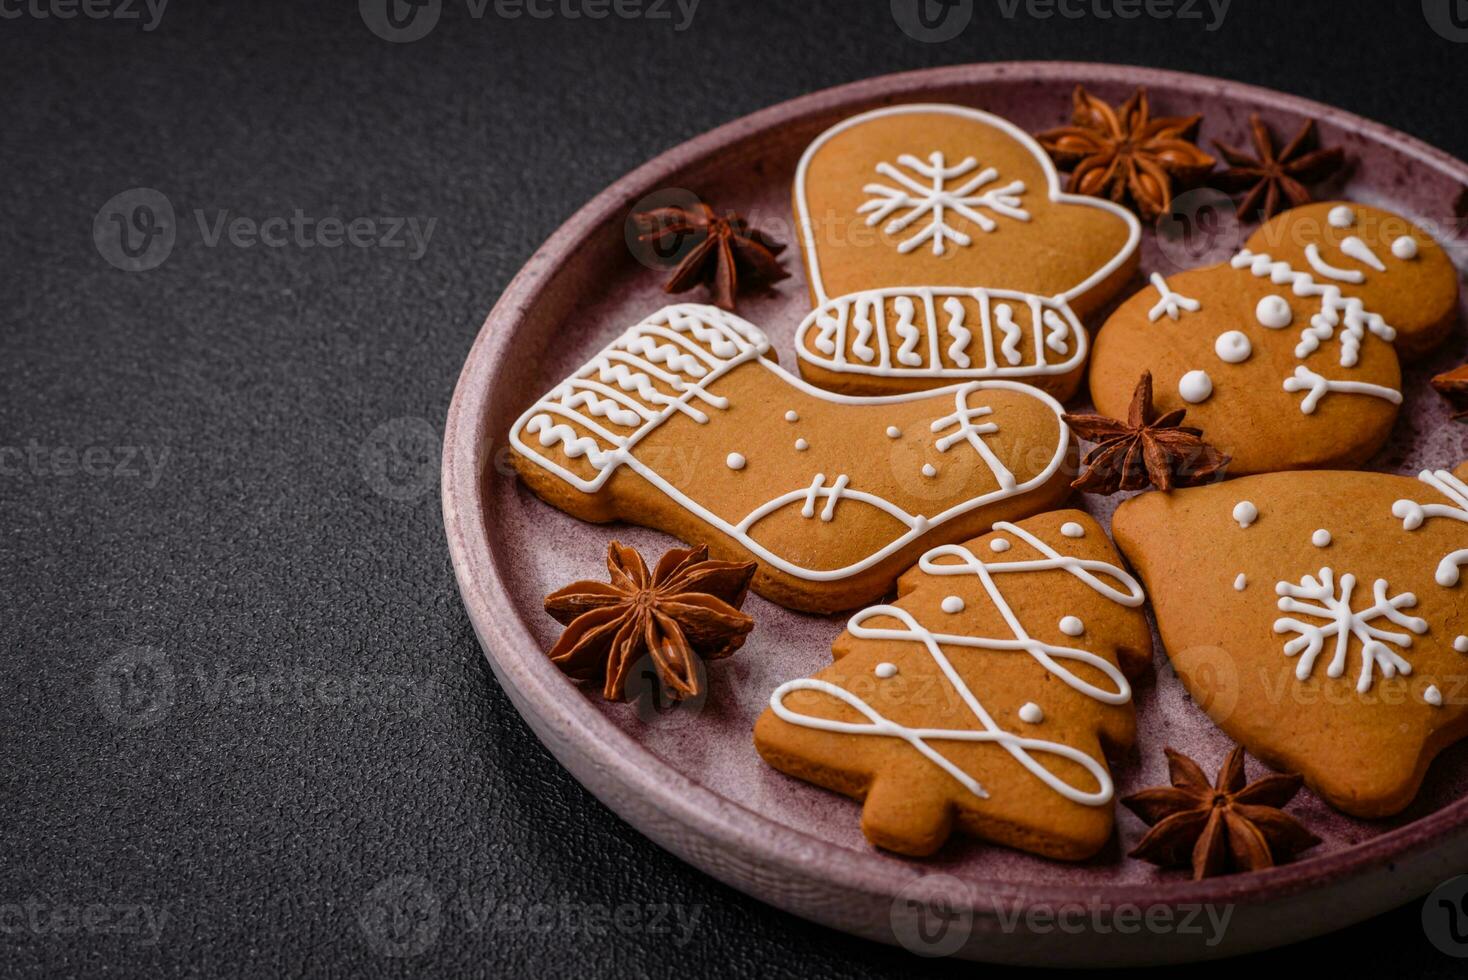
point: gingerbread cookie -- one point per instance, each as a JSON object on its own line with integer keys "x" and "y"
{"x": 982, "y": 699}
{"x": 940, "y": 248}
{"x": 1323, "y": 625}
{"x": 1287, "y": 355}
{"x": 686, "y": 424}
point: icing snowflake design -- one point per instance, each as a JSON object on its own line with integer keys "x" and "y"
{"x": 1321, "y": 601}
{"x": 934, "y": 200}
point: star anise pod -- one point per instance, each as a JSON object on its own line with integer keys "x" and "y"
{"x": 1274, "y": 182}
{"x": 1127, "y": 155}
{"x": 1226, "y": 826}
{"x": 725, "y": 248}
{"x": 686, "y": 608}
{"x": 1453, "y": 385}
{"x": 1145, "y": 450}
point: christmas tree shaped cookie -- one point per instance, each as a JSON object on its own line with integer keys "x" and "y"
{"x": 940, "y": 248}
{"x": 686, "y": 424}
{"x": 1320, "y": 618}
{"x": 1287, "y": 355}
{"x": 982, "y": 699}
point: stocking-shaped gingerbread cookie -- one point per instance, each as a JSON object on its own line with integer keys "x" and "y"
{"x": 686, "y": 424}
{"x": 1287, "y": 355}
{"x": 982, "y": 699}
{"x": 1320, "y": 618}
{"x": 940, "y": 248}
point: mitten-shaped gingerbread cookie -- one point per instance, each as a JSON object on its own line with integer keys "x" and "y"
{"x": 982, "y": 699}
{"x": 1320, "y": 618}
{"x": 686, "y": 424}
{"x": 1287, "y": 355}
{"x": 940, "y": 248}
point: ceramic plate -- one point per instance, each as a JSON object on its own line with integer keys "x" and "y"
{"x": 690, "y": 780}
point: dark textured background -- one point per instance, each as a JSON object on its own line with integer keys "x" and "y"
{"x": 238, "y": 686}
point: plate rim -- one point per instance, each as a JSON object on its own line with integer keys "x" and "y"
{"x": 520, "y": 665}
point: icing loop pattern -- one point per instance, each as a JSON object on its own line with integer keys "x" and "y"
{"x": 958, "y": 560}
{"x": 932, "y": 201}
{"x": 1343, "y": 622}
{"x": 1413, "y": 515}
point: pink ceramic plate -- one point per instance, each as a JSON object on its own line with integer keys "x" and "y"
{"x": 691, "y": 781}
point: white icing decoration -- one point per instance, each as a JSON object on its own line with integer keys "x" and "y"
{"x": 1072, "y": 626}
{"x": 1318, "y": 387}
{"x": 724, "y": 342}
{"x": 1341, "y": 216}
{"x": 1047, "y": 655}
{"x": 801, "y": 445}
{"x": 1324, "y": 268}
{"x": 893, "y": 432}
{"x": 932, "y": 201}
{"x": 822, "y": 338}
{"x": 885, "y": 670}
{"x": 1461, "y": 644}
{"x": 1413, "y": 515}
{"x": 1241, "y": 582}
{"x": 1004, "y": 316}
{"x": 792, "y": 416}
{"x": 1031, "y": 713}
{"x": 1195, "y": 387}
{"x": 1171, "y": 304}
{"x": 953, "y": 604}
{"x": 1321, "y": 538}
{"x": 1233, "y": 347}
{"x": 1057, "y": 329}
{"x": 1274, "y": 312}
{"x": 1343, "y": 623}
{"x": 1433, "y": 696}
{"x": 999, "y": 545}
{"x": 929, "y": 469}
{"x": 1405, "y": 248}
{"x": 1336, "y": 310}
{"x": 1245, "y": 513}
{"x": 1072, "y": 530}
{"x": 735, "y": 461}
{"x": 906, "y": 311}
{"x": 957, "y": 351}
{"x": 1361, "y": 252}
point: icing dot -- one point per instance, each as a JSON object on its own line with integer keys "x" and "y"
{"x": 998, "y": 545}
{"x": 1072, "y": 530}
{"x": 734, "y": 461}
{"x": 801, "y": 445}
{"x": 953, "y": 604}
{"x": 1031, "y": 713}
{"x": 929, "y": 469}
{"x": 1321, "y": 538}
{"x": 791, "y": 416}
{"x": 885, "y": 670}
{"x": 1461, "y": 644}
{"x": 1405, "y": 248}
{"x": 1195, "y": 387}
{"x": 1274, "y": 312}
{"x": 1241, "y": 583}
{"x": 1233, "y": 347}
{"x": 1072, "y": 626}
{"x": 1341, "y": 216}
{"x": 1433, "y": 696}
{"x": 1245, "y": 513}
{"x": 893, "y": 432}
